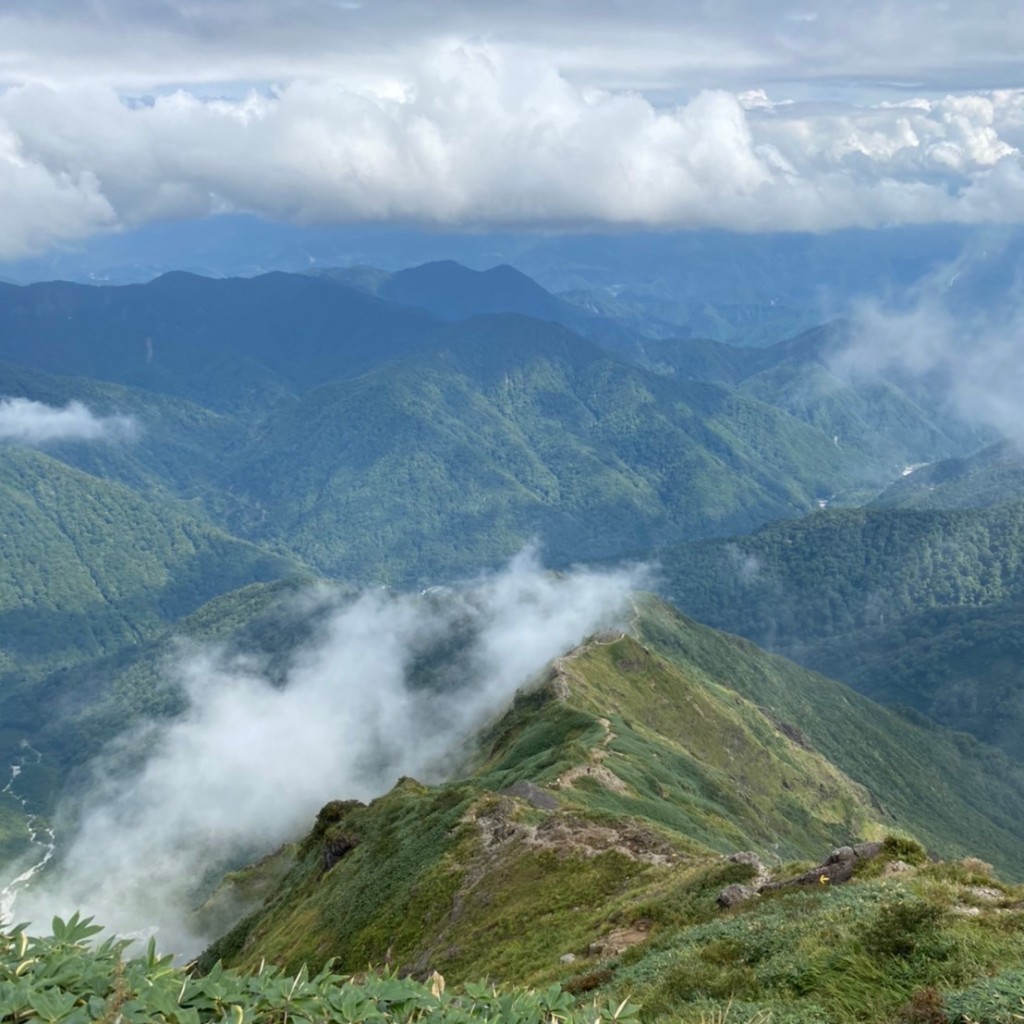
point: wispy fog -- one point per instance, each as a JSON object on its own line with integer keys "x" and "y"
{"x": 389, "y": 687}
{"x": 30, "y": 422}
{"x": 970, "y": 352}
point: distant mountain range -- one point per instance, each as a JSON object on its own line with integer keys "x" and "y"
{"x": 747, "y": 289}
{"x": 412, "y": 427}
{"x": 377, "y": 441}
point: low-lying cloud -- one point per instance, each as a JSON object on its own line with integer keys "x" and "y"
{"x": 390, "y": 687}
{"x": 971, "y": 353}
{"x": 35, "y": 423}
{"x": 474, "y": 136}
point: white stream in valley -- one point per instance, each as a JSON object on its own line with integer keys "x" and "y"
{"x": 40, "y": 835}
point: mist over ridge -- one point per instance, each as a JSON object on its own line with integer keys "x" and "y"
{"x": 249, "y": 763}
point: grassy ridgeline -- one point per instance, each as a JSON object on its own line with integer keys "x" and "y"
{"x": 588, "y": 847}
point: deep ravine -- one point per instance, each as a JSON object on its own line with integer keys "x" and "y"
{"x": 40, "y": 834}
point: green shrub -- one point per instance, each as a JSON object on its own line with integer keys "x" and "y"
{"x": 902, "y": 848}
{"x": 63, "y": 979}
{"x": 904, "y": 928}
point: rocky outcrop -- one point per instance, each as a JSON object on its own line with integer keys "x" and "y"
{"x": 572, "y": 835}
{"x": 837, "y": 868}
{"x": 532, "y": 794}
{"x": 335, "y": 847}
{"x": 734, "y": 894}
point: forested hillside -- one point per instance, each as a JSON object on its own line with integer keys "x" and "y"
{"x": 892, "y": 420}
{"x": 987, "y": 477}
{"x": 920, "y": 608}
{"x": 517, "y": 429}
{"x": 379, "y": 443}
{"x": 89, "y": 566}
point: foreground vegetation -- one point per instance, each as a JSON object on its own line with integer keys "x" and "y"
{"x": 905, "y": 942}
{"x": 930, "y": 944}
{"x": 585, "y": 854}
{"x": 63, "y": 978}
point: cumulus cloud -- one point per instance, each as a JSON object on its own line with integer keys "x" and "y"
{"x": 963, "y": 346}
{"x": 390, "y": 685}
{"x": 30, "y": 422}
{"x": 473, "y": 136}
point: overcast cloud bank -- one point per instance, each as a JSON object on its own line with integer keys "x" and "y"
{"x": 474, "y": 136}
{"x": 856, "y": 47}
{"x": 249, "y": 764}
{"x": 35, "y": 423}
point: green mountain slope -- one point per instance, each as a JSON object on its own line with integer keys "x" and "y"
{"x": 222, "y": 343}
{"x": 987, "y": 477}
{"x": 586, "y": 843}
{"x": 954, "y": 793}
{"x": 515, "y": 429}
{"x": 647, "y": 793}
{"x": 920, "y": 608}
{"x": 376, "y": 441}
{"x": 889, "y": 421}
{"x": 90, "y": 567}
{"x": 173, "y": 448}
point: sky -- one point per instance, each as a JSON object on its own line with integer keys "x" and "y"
{"x": 477, "y": 114}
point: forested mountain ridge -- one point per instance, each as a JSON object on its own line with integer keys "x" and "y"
{"x": 223, "y": 343}
{"x": 890, "y": 419}
{"x": 288, "y": 405}
{"x": 517, "y": 429}
{"x": 89, "y": 565}
{"x": 914, "y": 607}
{"x": 987, "y": 477}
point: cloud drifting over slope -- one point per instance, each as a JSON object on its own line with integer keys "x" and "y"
{"x": 34, "y": 423}
{"x": 250, "y": 763}
{"x": 478, "y": 136}
{"x": 972, "y": 353}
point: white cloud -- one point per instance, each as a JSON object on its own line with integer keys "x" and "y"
{"x": 473, "y": 137}
{"x": 45, "y": 205}
{"x": 972, "y": 353}
{"x": 249, "y": 764}
{"x": 645, "y": 44}
{"x": 30, "y": 422}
